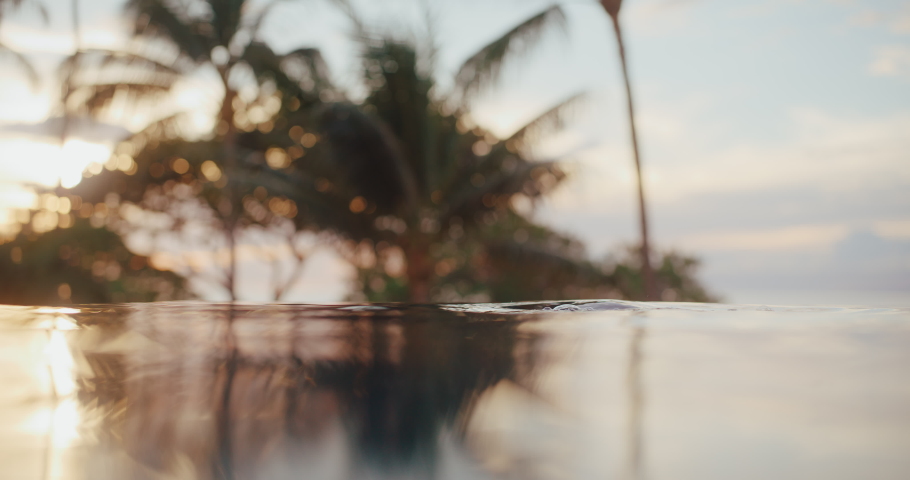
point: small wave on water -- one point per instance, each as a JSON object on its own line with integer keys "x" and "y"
{"x": 624, "y": 305}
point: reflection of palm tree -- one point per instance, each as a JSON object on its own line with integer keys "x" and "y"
{"x": 395, "y": 382}
{"x": 223, "y": 464}
{"x": 635, "y": 406}
{"x": 415, "y": 386}
{"x": 180, "y": 40}
{"x": 650, "y": 283}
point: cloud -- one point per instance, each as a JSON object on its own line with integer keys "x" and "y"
{"x": 685, "y": 158}
{"x": 861, "y": 261}
{"x": 822, "y": 206}
{"x": 897, "y": 22}
{"x": 892, "y": 229}
{"x": 827, "y": 154}
{"x": 794, "y": 238}
{"x": 901, "y": 21}
{"x": 866, "y": 18}
{"x": 891, "y": 61}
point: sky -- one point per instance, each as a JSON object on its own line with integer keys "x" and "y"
{"x": 775, "y": 134}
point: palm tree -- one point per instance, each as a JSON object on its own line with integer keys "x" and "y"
{"x": 408, "y": 180}
{"x": 175, "y": 40}
{"x": 650, "y": 283}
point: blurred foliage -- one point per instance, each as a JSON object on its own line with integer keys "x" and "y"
{"x": 674, "y": 272}
{"x": 439, "y": 207}
{"x": 80, "y": 264}
{"x": 435, "y": 207}
{"x": 428, "y": 206}
{"x": 210, "y": 183}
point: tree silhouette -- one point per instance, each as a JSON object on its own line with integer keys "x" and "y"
{"x": 410, "y": 181}
{"x": 650, "y": 283}
{"x": 174, "y": 41}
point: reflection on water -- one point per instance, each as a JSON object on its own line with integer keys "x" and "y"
{"x": 570, "y": 390}
{"x": 636, "y": 405}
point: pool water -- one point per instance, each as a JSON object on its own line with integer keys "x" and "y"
{"x": 566, "y": 390}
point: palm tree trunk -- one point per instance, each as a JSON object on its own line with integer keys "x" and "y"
{"x": 230, "y": 164}
{"x": 419, "y": 272}
{"x": 650, "y": 283}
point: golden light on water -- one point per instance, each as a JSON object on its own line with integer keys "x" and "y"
{"x": 41, "y": 413}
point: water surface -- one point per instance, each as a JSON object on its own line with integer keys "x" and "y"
{"x": 578, "y": 390}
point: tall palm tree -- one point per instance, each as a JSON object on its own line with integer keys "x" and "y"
{"x": 175, "y": 40}
{"x": 407, "y": 179}
{"x": 650, "y": 282}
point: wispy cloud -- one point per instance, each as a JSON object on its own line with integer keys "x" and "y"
{"x": 800, "y": 237}
{"x": 827, "y": 153}
{"x": 891, "y": 61}
{"x": 900, "y": 22}
{"x": 892, "y": 229}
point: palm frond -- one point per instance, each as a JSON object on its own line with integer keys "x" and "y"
{"x": 319, "y": 208}
{"x": 95, "y": 97}
{"x": 226, "y": 16}
{"x": 137, "y": 76}
{"x": 360, "y": 29}
{"x": 528, "y": 253}
{"x": 399, "y": 97}
{"x": 467, "y": 199}
{"x": 430, "y": 42}
{"x": 23, "y": 62}
{"x": 524, "y": 270}
{"x": 158, "y": 19}
{"x": 300, "y": 74}
{"x": 256, "y": 23}
{"x": 314, "y": 63}
{"x": 111, "y": 58}
{"x": 484, "y": 67}
{"x": 167, "y": 127}
{"x": 266, "y": 63}
{"x": 550, "y": 120}
{"x": 369, "y": 153}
